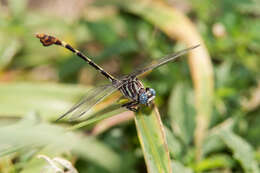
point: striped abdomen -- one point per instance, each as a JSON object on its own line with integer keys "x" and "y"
{"x": 131, "y": 89}
{"x": 48, "y": 40}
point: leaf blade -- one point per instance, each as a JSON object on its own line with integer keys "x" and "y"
{"x": 152, "y": 138}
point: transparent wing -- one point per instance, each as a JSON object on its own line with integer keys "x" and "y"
{"x": 92, "y": 97}
{"x": 97, "y": 94}
{"x": 160, "y": 62}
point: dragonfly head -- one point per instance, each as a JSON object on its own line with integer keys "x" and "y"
{"x": 147, "y": 96}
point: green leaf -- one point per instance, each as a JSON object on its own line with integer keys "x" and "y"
{"x": 214, "y": 162}
{"x": 174, "y": 144}
{"x": 180, "y": 168}
{"x": 223, "y": 74}
{"x": 48, "y": 99}
{"x": 100, "y": 115}
{"x": 119, "y": 47}
{"x": 242, "y": 151}
{"x": 103, "y": 31}
{"x": 8, "y": 49}
{"x": 152, "y": 138}
{"x": 182, "y": 113}
{"x": 28, "y": 135}
{"x": 213, "y": 142}
{"x": 17, "y": 7}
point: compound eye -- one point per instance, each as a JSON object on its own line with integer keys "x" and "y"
{"x": 143, "y": 98}
{"x": 152, "y": 91}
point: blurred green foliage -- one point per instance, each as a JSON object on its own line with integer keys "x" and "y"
{"x": 119, "y": 41}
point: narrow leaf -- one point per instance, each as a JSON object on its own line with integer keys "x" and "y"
{"x": 180, "y": 168}
{"x": 153, "y": 141}
{"x": 8, "y": 50}
{"x": 50, "y": 100}
{"x": 182, "y": 113}
{"x": 27, "y": 135}
{"x": 215, "y": 162}
{"x": 174, "y": 144}
{"x": 100, "y": 115}
{"x": 242, "y": 151}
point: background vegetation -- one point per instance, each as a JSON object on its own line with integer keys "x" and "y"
{"x": 209, "y": 106}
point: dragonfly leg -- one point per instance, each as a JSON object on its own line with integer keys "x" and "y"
{"x": 131, "y": 105}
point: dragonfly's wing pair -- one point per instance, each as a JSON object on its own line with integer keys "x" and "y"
{"x": 160, "y": 62}
{"x": 92, "y": 97}
{"x": 96, "y": 95}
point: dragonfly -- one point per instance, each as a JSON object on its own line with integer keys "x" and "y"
{"x": 129, "y": 85}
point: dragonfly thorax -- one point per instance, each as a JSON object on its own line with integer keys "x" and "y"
{"x": 135, "y": 90}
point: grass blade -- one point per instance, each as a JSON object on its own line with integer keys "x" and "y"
{"x": 182, "y": 114}
{"x": 179, "y": 167}
{"x": 153, "y": 141}
{"x": 100, "y": 115}
{"x": 242, "y": 151}
{"x": 27, "y": 135}
{"x": 48, "y": 99}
